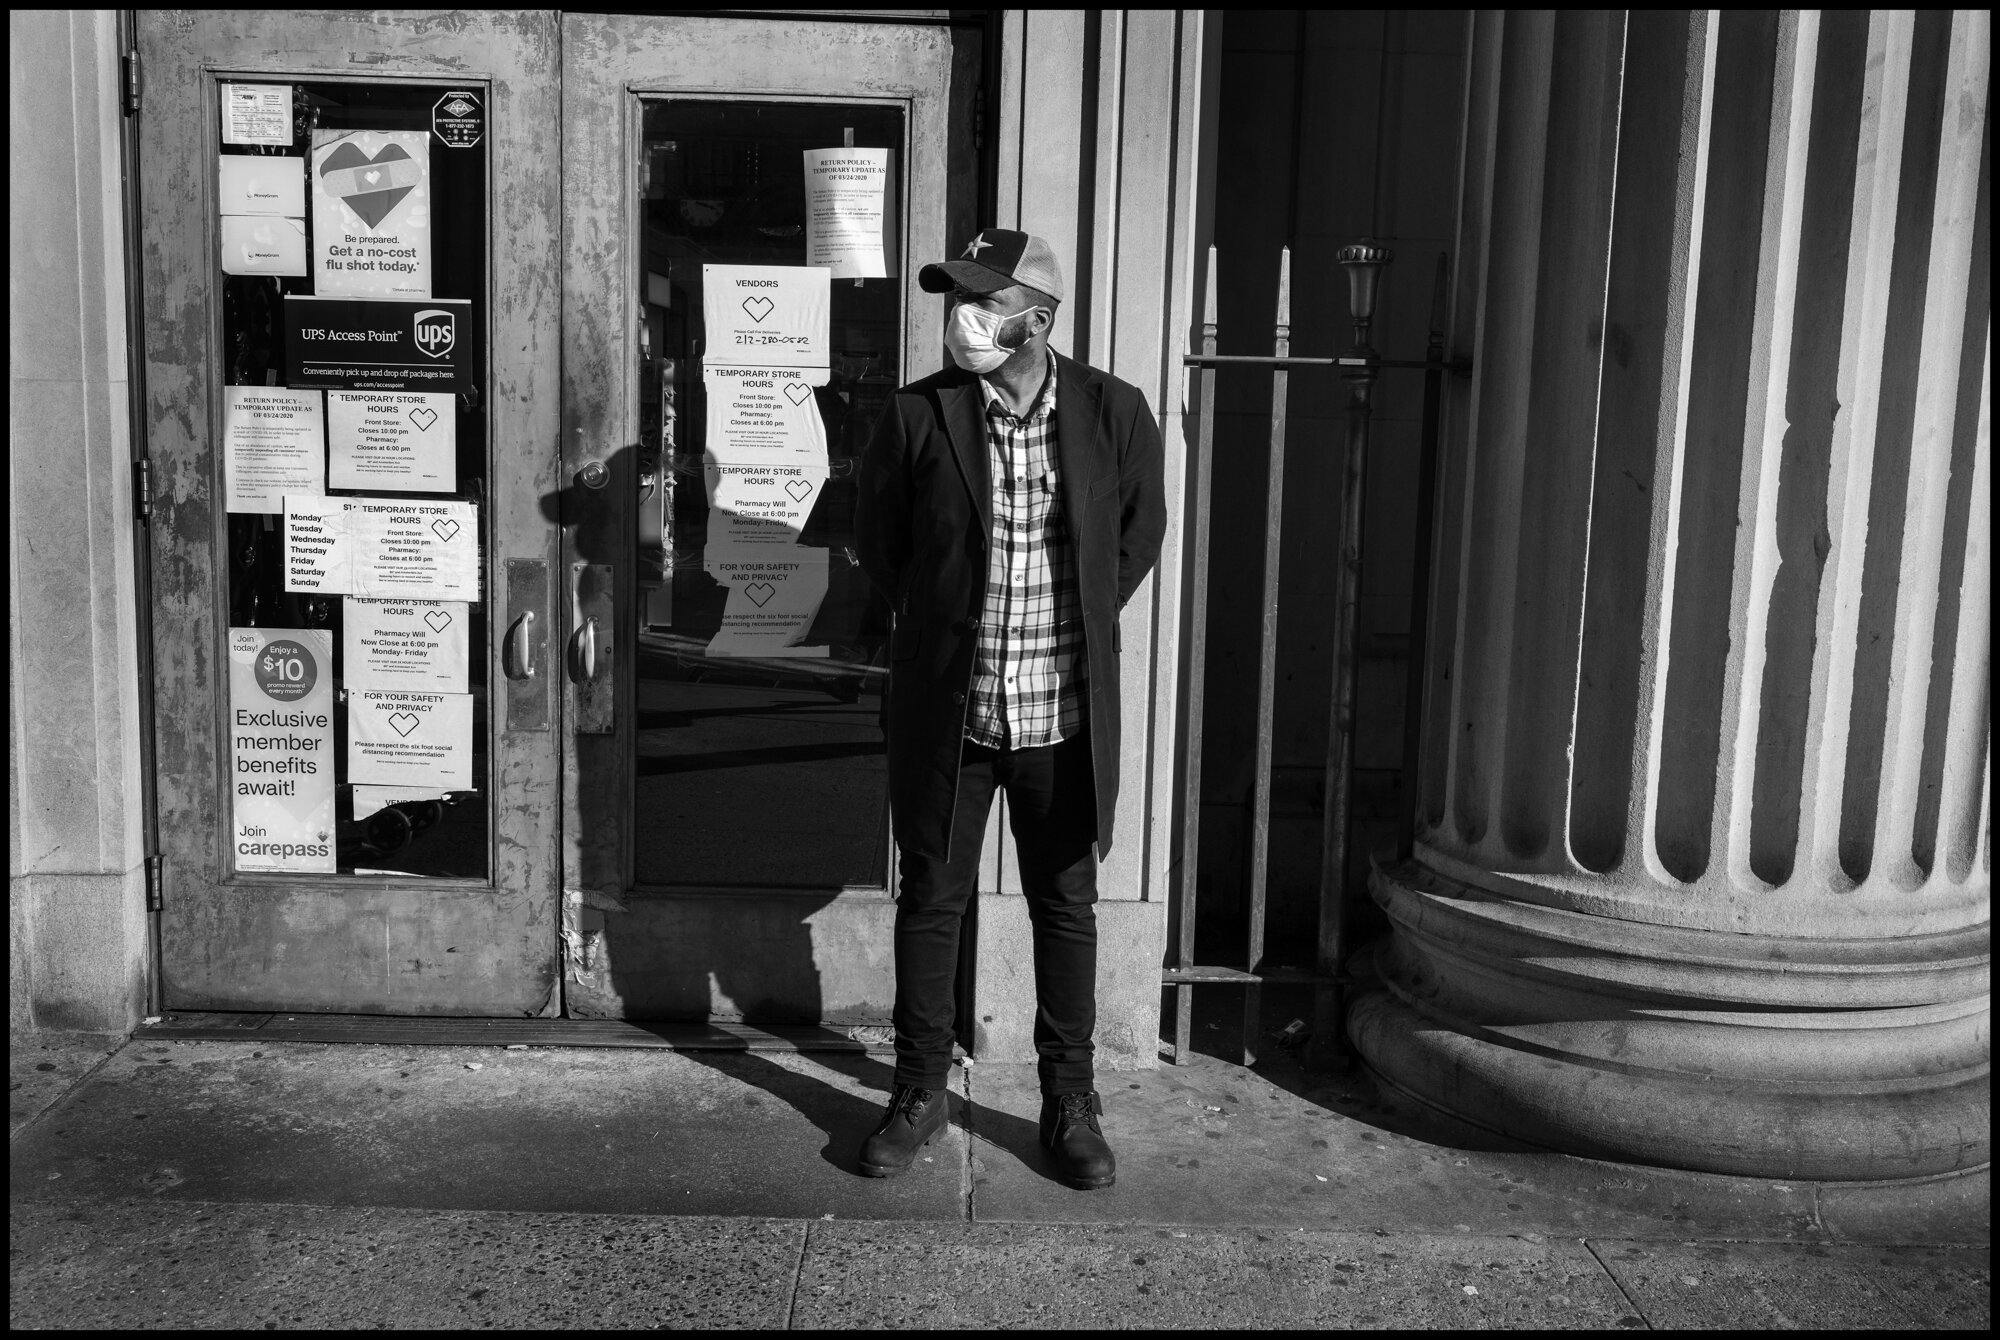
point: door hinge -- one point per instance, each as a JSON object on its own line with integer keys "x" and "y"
{"x": 130, "y": 62}
{"x": 142, "y": 489}
{"x": 979, "y": 118}
{"x": 156, "y": 879}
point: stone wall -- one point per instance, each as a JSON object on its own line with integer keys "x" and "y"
{"x": 1098, "y": 115}
{"x": 77, "y": 918}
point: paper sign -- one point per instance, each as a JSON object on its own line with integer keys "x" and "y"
{"x": 371, "y": 213}
{"x": 422, "y": 551}
{"x": 763, "y": 413}
{"x": 380, "y": 344}
{"x": 765, "y": 459}
{"x": 848, "y": 210}
{"x": 382, "y": 547}
{"x": 775, "y": 495}
{"x": 405, "y": 644}
{"x": 257, "y": 114}
{"x": 409, "y": 739}
{"x": 272, "y": 445}
{"x": 774, "y": 595}
{"x": 369, "y": 799}
{"x": 281, "y": 748}
{"x": 257, "y": 244}
{"x": 255, "y": 184}
{"x": 766, "y": 315}
{"x": 404, "y": 440}
{"x": 319, "y": 545}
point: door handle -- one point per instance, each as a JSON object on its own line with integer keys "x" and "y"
{"x": 516, "y": 659}
{"x": 593, "y": 695}
{"x": 526, "y": 644}
{"x": 583, "y": 653}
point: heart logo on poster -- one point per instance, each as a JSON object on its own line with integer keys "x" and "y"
{"x": 437, "y": 619}
{"x": 423, "y": 417}
{"x": 759, "y": 307}
{"x": 798, "y": 488}
{"x": 760, "y": 593}
{"x": 370, "y": 186}
{"x": 445, "y": 528}
{"x": 797, "y": 392}
{"x": 404, "y": 722}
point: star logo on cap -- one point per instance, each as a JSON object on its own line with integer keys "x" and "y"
{"x": 975, "y": 246}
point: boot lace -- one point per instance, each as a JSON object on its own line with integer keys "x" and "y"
{"x": 1079, "y": 1108}
{"x": 911, "y": 1102}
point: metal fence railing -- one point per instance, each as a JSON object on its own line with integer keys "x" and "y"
{"x": 1358, "y": 369}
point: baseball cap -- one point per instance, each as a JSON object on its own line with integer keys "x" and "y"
{"x": 997, "y": 258}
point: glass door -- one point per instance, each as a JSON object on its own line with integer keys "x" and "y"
{"x": 727, "y": 849}
{"x": 352, "y": 288}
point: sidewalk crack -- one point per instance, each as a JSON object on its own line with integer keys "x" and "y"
{"x": 1617, "y": 1283}
{"x": 965, "y": 1164}
{"x": 798, "y": 1276}
{"x": 68, "y": 1091}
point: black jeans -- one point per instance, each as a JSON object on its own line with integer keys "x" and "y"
{"x": 1052, "y": 810}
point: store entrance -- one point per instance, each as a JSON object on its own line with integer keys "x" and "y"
{"x": 529, "y": 670}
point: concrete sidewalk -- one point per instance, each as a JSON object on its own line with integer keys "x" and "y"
{"x": 223, "y": 1183}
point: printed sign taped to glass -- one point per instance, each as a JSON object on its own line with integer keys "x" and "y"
{"x": 281, "y": 727}
{"x": 380, "y": 345}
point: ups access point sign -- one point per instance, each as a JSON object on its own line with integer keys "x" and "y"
{"x": 377, "y": 344}
{"x": 458, "y": 120}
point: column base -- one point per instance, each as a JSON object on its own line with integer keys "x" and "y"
{"x": 1838, "y": 1060}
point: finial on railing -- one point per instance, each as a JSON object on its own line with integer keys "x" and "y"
{"x": 1283, "y": 333}
{"x": 1208, "y": 306}
{"x": 1364, "y": 261}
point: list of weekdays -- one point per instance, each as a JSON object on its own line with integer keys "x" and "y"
{"x": 405, "y": 440}
{"x": 382, "y": 547}
{"x": 410, "y": 739}
{"x": 271, "y": 446}
{"x": 405, "y": 644}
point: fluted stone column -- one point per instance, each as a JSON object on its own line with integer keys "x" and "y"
{"x": 1703, "y": 854}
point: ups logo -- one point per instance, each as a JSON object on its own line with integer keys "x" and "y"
{"x": 437, "y": 332}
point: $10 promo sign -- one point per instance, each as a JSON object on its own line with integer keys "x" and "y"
{"x": 281, "y": 749}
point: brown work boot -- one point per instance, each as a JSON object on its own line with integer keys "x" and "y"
{"x": 914, "y": 1118}
{"x": 1071, "y": 1133}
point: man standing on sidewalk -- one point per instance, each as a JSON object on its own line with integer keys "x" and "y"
{"x": 1009, "y": 507}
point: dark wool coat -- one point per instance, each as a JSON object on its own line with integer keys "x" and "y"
{"x": 923, "y": 524}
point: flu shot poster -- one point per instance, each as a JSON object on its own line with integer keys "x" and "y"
{"x": 371, "y": 197}
{"x": 281, "y": 748}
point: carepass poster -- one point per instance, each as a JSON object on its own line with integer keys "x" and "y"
{"x": 281, "y": 749}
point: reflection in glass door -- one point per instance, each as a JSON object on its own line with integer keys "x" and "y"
{"x": 764, "y": 769}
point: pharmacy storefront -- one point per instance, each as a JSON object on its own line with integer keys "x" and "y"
{"x": 505, "y": 376}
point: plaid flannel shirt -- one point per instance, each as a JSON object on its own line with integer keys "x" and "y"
{"x": 1028, "y": 681}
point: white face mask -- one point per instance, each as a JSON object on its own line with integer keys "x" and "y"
{"x": 973, "y": 336}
